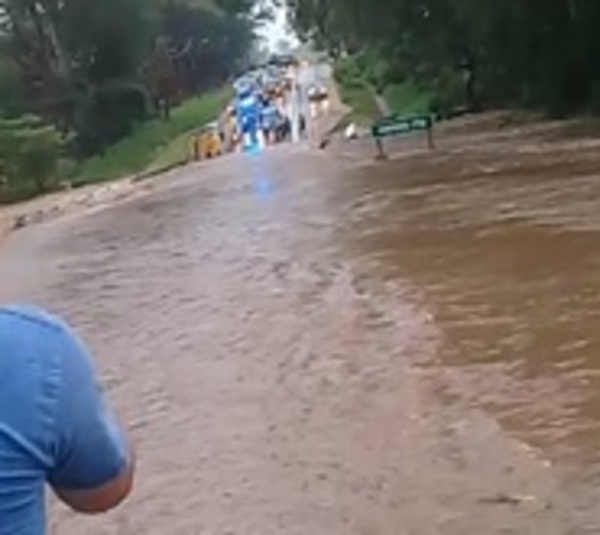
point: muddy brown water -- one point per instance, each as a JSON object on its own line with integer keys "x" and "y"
{"x": 306, "y": 342}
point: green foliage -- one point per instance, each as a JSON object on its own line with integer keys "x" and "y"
{"x": 108, "y": 114}
{"x": 376, "y": 73}
{"x": 29, "y": 153}
{"x": 175, "y": 153}
{"x": 37, "y": 155}
{"x": 12, "y": 100}
{"x": 347, "y": 71}
{"x": 88, "y": 66}
{"x": 447, "y": 92}
{"x": 98, "y": 70}
{"x": 22, "y": 122}
{"x": 527, "y": 52}
{"x": 150, "y": 139}
{"x": 108, "y": 40}
{"x": 217, "y": 43}
{"x": 407, "y": 98}
{"x": 354, "y": 90}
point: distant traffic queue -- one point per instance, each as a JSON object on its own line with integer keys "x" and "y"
{"x": 259, "y": 103}
{"x": 258, "y": 115}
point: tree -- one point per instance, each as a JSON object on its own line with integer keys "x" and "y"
{"x": 29, "y": 150}
{"x": 90, "y": 67}
{"x": 529, "y": 52}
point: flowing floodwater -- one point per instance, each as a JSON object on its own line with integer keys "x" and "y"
{"x": 314, "y": 343}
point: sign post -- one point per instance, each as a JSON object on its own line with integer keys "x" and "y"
{"x": 294, "y": 103}
{"x": 381, "y": 155}
{"x": 395, "y": 125}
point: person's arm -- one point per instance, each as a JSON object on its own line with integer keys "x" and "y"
{"x": 103, "y": 498}
{"x": 93, "y": 460}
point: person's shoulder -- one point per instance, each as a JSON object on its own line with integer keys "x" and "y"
{"x": 32, "y": 314}
{"x": 34, "y": 319}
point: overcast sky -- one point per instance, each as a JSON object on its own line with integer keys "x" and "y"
{"x": 277, "y": 30}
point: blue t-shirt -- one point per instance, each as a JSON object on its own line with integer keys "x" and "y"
{"x": 269, "y": 117}
{"x": 54, "y": 425}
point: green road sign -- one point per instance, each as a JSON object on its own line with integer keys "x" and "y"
{"x": 396, "y": 125}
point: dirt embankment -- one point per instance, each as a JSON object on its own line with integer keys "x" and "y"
{"x": 42, "y": 209}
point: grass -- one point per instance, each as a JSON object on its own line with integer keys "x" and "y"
{"x": 358, "y": 97}
{"x": 404, "y": 99}
{"x": 23, "y": 191}
{"x": 407, "y": 98}
{"x": 355, "y": 90}
{"x": 154, "y": 144}
{"x": 175, "y": 153}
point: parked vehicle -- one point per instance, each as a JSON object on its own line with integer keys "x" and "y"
{"x": 284, "y": 60}
{"x": 317, "y": 93}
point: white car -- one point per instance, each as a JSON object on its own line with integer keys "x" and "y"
{"x": 317, "y": 93}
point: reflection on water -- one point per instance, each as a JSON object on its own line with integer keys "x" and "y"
{"x": 263, "y": 187}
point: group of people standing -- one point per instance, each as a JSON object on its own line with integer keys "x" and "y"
{"x": 260, "y": 119}
{"x": 276, "y": 126}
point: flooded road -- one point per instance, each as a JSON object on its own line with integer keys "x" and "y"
{"x": 309, "y": 342}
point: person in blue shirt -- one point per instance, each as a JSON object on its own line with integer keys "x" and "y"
{"x": 55, "y": 427}
{"x": 268, "y": 120}
{"x": 248, "y": 115}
